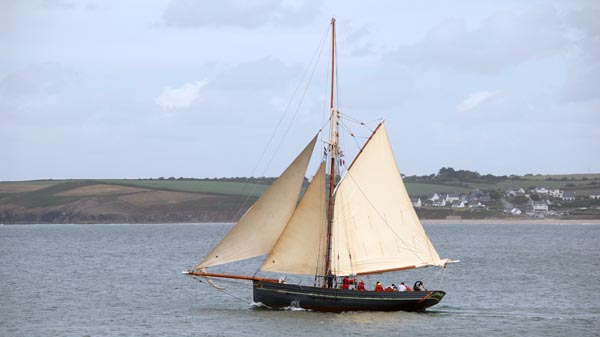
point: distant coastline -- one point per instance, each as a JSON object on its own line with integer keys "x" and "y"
{"x": 450, "y": 197}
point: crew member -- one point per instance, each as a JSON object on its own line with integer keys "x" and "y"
{"x": 402, "y": 287}
{"x": 419, "y": 286}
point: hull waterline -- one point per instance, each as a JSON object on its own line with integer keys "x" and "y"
{"x": 277, "y": 295}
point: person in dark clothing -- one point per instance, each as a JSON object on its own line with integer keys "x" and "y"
{"x": 329, "y": 279}
{"x": 419, "y": 286}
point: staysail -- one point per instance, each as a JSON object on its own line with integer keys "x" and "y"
{"x": 301, "y": 247}
{"x": 260, "y": 227}
{"x": 375, "y": 227}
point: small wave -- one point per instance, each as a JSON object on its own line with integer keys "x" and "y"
{"x": 259, "y": 305}
{"x": 291, "y": 307}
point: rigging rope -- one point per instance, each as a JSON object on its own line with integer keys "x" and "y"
{"x": 315, "y": 56}
{"x": 442, "y": 277}
{"x": 223, "y": 289}
{"x": 345, "y": 128}
{"x": 297, "y": 108}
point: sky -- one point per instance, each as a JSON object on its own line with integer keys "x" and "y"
{"x": 184, "y": 88}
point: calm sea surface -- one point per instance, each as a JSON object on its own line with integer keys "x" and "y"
{"x": 125, "y": 280}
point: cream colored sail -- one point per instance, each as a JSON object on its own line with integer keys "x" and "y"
{"x": 258, "y": 229}
{"x": 301, "y": 247}
{"x": 375, "y": 227}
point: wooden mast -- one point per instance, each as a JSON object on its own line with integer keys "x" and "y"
{"x": 332, "y": 62}
{"x": 333, "y": 148}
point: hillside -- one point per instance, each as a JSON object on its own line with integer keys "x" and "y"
{"x": 125, "y": 201}
{"x": 224, "y": 200}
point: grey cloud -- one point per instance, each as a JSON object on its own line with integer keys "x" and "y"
{"x": 265, "y": 73}
{"x": 66, "y": 4}
{"x": 583, "y": 79}
{"x": 246, "y": 14}
{"x": 586, "y": 20}
{"x": 506, "y": 109}
{"x": 237, "y": 94}
{"x": 378, "y": 91}
{"x": 60, "y": 4}
{"x": 500, "y": 41}
{"x": 499, "y": 107}
{"x": 582, "y": 83}
{"x": 297, "y": 13}
{"x": 358, "y": 41}
{"x": 37, "y": 79}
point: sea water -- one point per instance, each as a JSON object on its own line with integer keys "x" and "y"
{"x": 125, "y": 280}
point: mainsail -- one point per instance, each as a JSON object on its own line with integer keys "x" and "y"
{"x": 375, "y": 227}
{"x": 260, "y": 227}
{"x": 301, "y": 247}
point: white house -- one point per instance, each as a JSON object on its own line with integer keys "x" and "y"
{"x": 568, "y": 196}
{"x": 539, "y": 206}
{"x": 416, "y": 202}
{"x": 595, "y": 195}
{"x": 459, "y": 204}
{"x": 434, "y": 197}
{"x": 515, "y": 211}
{"x": 513, "y": 192}
{"x": 476, "y": 204}
{"x": 541, "y": 190}
{"x": 452, "y": 197}
{"x": 555, "y": 193}
{"x": 439, "y": 203}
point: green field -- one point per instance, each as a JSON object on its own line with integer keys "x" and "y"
{"x": 194, "y": 200}
{"x": 583, "y": 182}
{"x": 196, "y": 186}
{"x": 45, "y": 196}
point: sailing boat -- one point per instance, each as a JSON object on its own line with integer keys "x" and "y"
{"x": 364, "y": 224}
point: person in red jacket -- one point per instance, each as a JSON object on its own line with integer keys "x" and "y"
{"x": 378, "y": 286}
{"x": 360, "y": 286}
{"x": 346, "y": 282}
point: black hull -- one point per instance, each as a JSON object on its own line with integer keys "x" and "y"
{"x": 277, "y": 295}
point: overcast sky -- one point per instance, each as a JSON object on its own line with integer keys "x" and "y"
{"x": 128, "y": 89}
